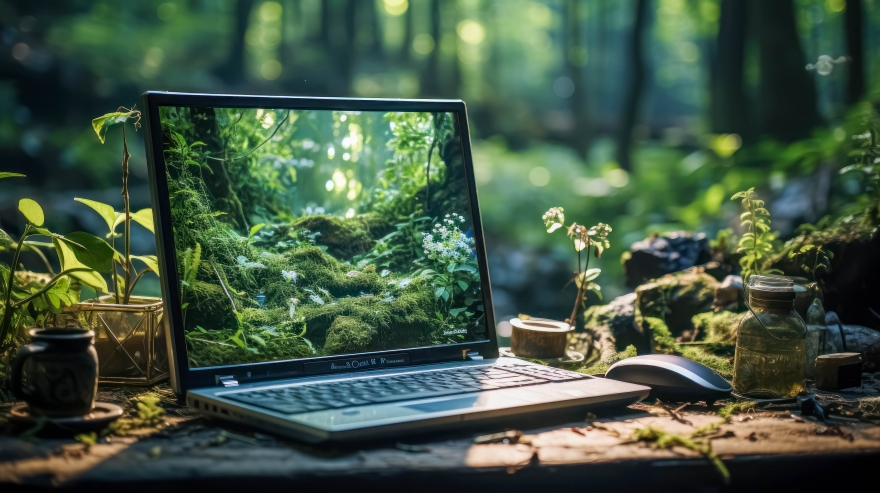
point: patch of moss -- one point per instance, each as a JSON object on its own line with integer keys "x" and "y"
{"x": 665, "y": 343}
{"x": 603, "y": 365}
{"x": 676, "y": 298}
{"x": 721, "y": 365}
{"x": 349, "y": 335}
{"x": 209, "y": 307}
{"x": 344, "y": 238}
{"x": 729, "y": 410}
{"x": 718, "y": 327}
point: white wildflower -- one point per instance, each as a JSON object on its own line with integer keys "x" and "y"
{"x": 289, "y": 275}
{"x": 316, "y": 299}
{"x": 404, "y": 283}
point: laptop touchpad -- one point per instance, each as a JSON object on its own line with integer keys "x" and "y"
{"x": 448, "y": 405}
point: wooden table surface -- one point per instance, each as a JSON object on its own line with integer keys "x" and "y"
{"x": 761, "y": 449}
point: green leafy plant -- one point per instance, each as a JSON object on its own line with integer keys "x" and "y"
{"x": 455, "y": 274}
{"x": 821, "y": 258}
{"x": 123, "y": 284}
{"x": 81, "y": 255}
{"x": 583, "y": 238}
{"x": 756, "y": 243}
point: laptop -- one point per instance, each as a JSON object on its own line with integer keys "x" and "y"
{"x": 324, "y": 270}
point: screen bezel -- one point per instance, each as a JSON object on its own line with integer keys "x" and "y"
{"x": 183, "y": 377}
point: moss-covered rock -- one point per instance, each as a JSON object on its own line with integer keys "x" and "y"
{"x": 618, "y": 317}
{"x": 209, "y": 307}
{"x": 717, "y": 327}
{"x": 676, "y": 298}
{"x": 349, "y": 335}
{"x": 344, "y": 238}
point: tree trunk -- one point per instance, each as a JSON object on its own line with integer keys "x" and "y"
{"x": 580, "y": 135}
{"x": 855, "y": 51}
{"x": 787, "y": 92}
{"x": 233, "y": 71}
{"x": 636, "y": 85}
{"x": 431, "y": 83}
{"x": 729, "y": 104}
{"x": 406, "y": 48}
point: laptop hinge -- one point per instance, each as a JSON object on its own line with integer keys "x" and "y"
{"x": 226, "y": 380}
{"x": 471, "y": 355}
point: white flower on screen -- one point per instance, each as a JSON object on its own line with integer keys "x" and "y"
{"x": 289, "y": 275}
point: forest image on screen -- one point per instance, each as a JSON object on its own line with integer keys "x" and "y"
{"x": 307, "y": 233}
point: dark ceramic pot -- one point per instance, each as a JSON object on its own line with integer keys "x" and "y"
{"x": 57, "y": 373}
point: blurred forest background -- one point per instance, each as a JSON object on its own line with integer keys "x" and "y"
{"x": 643, "y": 114}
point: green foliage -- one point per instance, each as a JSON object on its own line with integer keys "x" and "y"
{"x": 664, "y": 342}
{"x": 821, "y": 258}
{"x": 103, "y": 122}
{"x": 756, "y": 243}
{"x": 31, "y": 211}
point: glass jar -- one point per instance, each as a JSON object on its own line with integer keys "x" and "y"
{"x": 770, "y": 357}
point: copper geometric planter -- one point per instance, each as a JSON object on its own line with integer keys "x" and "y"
{"x": 129, "y": 339}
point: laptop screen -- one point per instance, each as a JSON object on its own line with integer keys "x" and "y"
{"x": 308, "y": 233}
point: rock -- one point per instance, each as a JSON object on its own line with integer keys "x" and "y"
{"x": 677, "y": 298}
{"x": 656, "y": 256}
{"x": 619, "y": 318}
{"x": 729, "y": 294}
{"x": 866, "y": 341}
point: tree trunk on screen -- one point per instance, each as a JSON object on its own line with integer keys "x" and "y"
{"x": 635, "y": 87}
{"x": 371, "y": 20}
{"x": 855, "y": 51}
{"x": 787, "y": 109}
{"x": 580, "y": 134}
{"x": 233, "y": 71}
{"x": 218, "y": 182}
{"x": 729, "y": 104}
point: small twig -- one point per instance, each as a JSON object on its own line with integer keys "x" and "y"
{"x": 674, "y": 413}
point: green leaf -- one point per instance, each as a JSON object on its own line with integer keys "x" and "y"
{"x": 254, "y": 229}
{"x": 103, "y": 122}
{"x": 463, "y": 285}
{"x": 201, "y": 329}
{"x": 6, "y": 174}
{"x": 107, "y": 213}
{"x": 259, "y": 340}
{"x": 237, "y": 340}
{"x": 32, "y": 211}
{"x": 91, "y": 251}
{"x": 150, "y": 260}
{"x": 69, "y": 261}
{"x": 183, "y": 307}
{"x": 144, "y": 217}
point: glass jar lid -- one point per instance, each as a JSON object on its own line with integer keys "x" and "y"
{"x": 771, "y": 288}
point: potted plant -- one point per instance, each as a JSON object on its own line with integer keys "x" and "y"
{"x": 129, "y": 335}
{"x": 27, "y": 298}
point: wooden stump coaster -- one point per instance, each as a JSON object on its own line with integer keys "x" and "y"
{"x": 539, "y": 338}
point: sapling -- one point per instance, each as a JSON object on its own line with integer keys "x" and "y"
{"x": 583, "y": 238}
{"x": 123, "y": 285}
{"x": 756, "y": 243}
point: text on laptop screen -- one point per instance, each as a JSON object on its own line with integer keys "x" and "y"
{"x": 307, "y": 233}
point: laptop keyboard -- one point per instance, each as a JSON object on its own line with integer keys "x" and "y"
{"x": 391, "y": 388}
